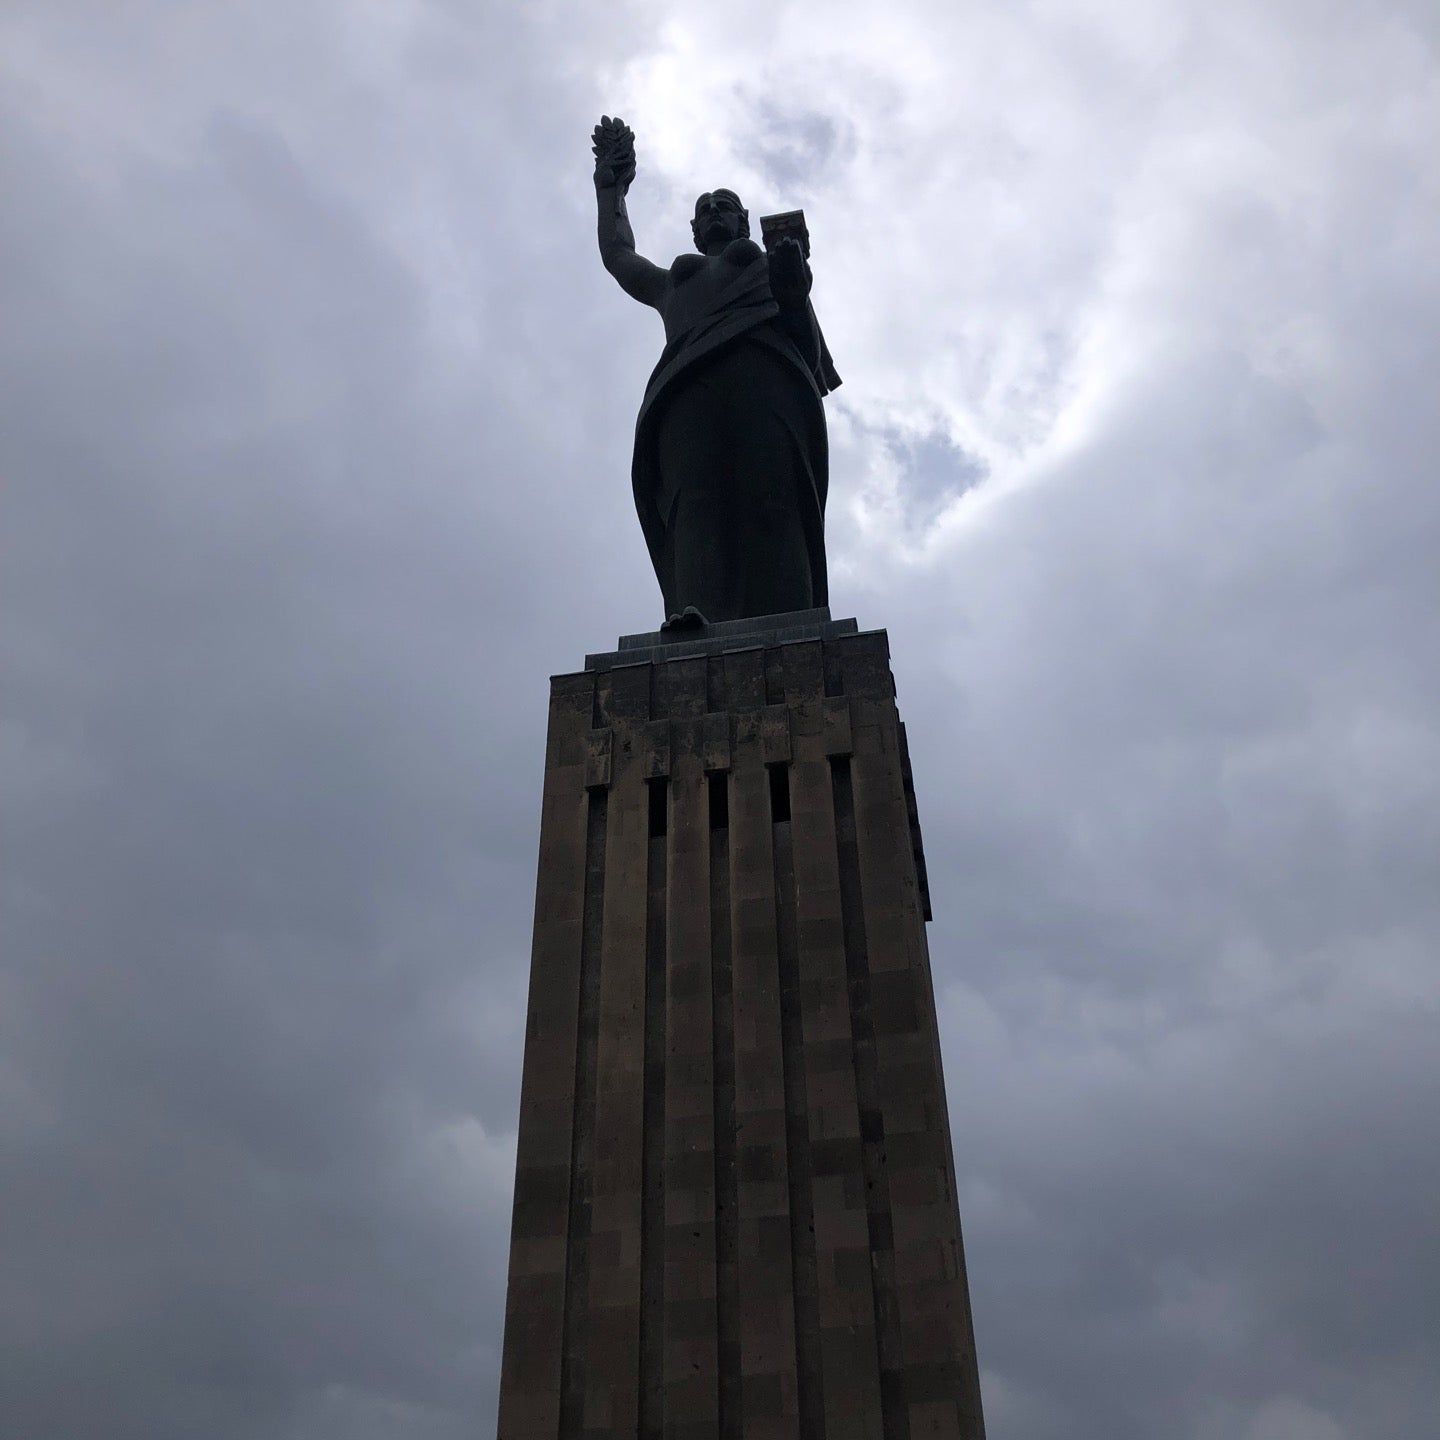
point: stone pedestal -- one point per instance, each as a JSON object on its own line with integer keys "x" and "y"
{"x": 735, "y": 1212}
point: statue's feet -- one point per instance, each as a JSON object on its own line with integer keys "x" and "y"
{"x": 688, "y": 619}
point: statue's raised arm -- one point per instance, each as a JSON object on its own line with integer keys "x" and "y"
{"x": 614, "y": 146}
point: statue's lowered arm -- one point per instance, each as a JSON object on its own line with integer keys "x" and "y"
{"x": 788, "y": 242}
{"x": 614, "y": 145}
{"x": 790, "y": 282}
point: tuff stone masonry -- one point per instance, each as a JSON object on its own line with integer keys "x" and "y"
{"x": 735, "y": 1212}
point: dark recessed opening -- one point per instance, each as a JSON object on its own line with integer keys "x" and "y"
{"x": 659, "y": 808}
{"x": 779, "y": 794}
{"x": 719, "y": 802}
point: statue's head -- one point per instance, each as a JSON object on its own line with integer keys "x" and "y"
{"x": 719, "y": 215}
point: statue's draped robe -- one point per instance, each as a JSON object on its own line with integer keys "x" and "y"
{"x": 731, "y": 462}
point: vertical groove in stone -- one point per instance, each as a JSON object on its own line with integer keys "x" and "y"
{"x": 872, "y": 1125}
{"x": 715, "y": 683}
{"x": 774, "y": 677}
{"x": 727, "y": 1277}
{"x": 582, "y": 1132}
{"x": 809, "y": 1373}
{"x": 652, "y": 1194}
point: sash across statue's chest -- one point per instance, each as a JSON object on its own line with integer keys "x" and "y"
{"x": 701, "y": 288}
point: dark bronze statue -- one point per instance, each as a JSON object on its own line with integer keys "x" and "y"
{"x": 730, "y": 467}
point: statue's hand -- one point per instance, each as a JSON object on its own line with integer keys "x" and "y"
{"x": 614, "y": 146}
{"x": 790, "y": 277}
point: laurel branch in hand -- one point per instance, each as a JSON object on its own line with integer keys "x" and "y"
{"x": 614, "y": 146}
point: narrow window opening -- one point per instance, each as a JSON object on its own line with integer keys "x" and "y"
{"x": 719, "y": 802}
{"x": 779, "y": 794}
{"x": 659, "y": 808}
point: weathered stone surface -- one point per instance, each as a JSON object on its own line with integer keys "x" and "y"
{"x": 735, "y": 1209}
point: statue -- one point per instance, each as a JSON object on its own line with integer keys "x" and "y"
{"x": 731, "y": 464}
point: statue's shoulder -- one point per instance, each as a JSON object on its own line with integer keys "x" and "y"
{"x": 742, "y": 252}
{"x": 684, "y": 266}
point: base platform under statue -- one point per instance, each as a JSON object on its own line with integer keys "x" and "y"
{"x": 735, "y": 1213}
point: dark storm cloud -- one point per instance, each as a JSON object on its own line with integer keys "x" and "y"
{"x": 271, "y": 830}
{"x": 1191, "y": 931}
{"x": 314, "y": 433}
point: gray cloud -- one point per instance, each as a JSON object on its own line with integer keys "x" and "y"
{"x": 314, "y": 432}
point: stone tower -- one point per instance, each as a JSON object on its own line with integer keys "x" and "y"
{"x": 735, "y": 1213}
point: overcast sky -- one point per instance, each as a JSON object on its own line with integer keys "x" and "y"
{"x": 314, "y": 433}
